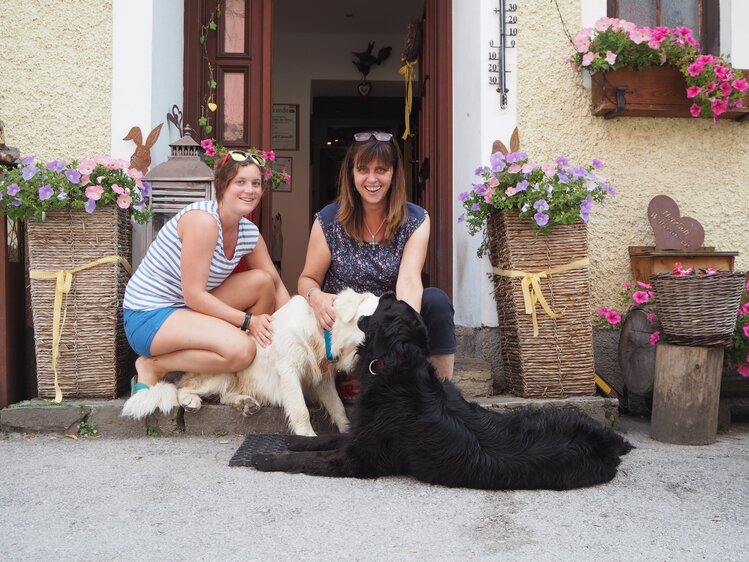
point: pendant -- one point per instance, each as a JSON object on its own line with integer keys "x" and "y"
{"x": 373, "y": 243}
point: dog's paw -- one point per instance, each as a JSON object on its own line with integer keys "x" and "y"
{"x": 190, "y": 402}
{"x": 249, "y": 406}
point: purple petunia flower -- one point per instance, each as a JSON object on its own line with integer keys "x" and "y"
{"x": 462, "y": 217}
{"x": 27, "y": 160}
{"x": 56, "y": 166}
{"x": 541, "y": 218}
{"x": 146, "y": 189}
{"x": 29, "y": 172}
{"x": 90, "y": 206}
{"x": 521, "y": 186}
{"x": 563, "y": 178}
{"x": 16, "y": 203}
{"x": 481, "y": 170}
{"x": 597, "y": 164}
{"x": 514, "y": 157}
{"x": 74, "y": 176}
{"x": 463, "y": 197}
{"x": 576, "y": 173}
{"x": 541, "y": 205}
{"x": 562, "y": 161}
{"x": 479, "y": 188}
{"x": 475, "y": 206}
{"x": 62, "y": 196}
{"x": 13, "y": 189}
{"x": 45, "y": 192}
{"x": 610, "y": 189}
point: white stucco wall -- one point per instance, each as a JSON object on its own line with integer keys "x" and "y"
{"x": 56, "y": 77}
{"x": 704, "y": 168}
{"x": 297, "y": 60}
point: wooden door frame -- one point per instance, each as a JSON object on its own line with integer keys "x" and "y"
{"x": 260, "y": 82}
{"x": 437, "y": 140}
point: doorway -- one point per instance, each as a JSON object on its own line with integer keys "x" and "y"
{"x": 314, "y": 59}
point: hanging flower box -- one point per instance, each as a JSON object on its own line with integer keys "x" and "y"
{"x": 656, "y": 92}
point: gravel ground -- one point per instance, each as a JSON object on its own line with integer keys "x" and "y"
{"x": 177, "y": 499}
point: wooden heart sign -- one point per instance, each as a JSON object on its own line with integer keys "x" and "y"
{"x": 364, "y": 88}
{"x": 672, "y": 231}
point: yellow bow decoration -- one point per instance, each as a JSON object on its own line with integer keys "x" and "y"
{"x": 530, "y": 283}
{"x": 63, "y": 283}
{"x": 407, "y": 71}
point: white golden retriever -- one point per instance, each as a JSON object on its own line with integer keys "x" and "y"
{"x": 293, "y": 363}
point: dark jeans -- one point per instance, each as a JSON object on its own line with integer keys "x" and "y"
{"x": 439, "y": 317}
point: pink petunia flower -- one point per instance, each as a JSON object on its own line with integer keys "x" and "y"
{"x": 210, "y": 151}
{"x": 652, "y": 317}
{"x": 549, "y": 169}
{"x": 695, "y": 110}
{"x": 94, "y": 192}
{"x": 695, "y": 68}
{"x": 644, "y": 285}
{"x": 610, "y": 57}
{"x": 205, "y": 144}
{"x": 117, "y": 189}
{"x": 726, "y": 88}
{"x": 655, "y": 337}
{"x": 588, "y": 58}
{"x": 640, "y": 297}
{"x": 746, "y": 330}
{"x": 514, "y": 169}
{"x": 741, "y": 84}
{"x": 124, "y": 200}
{"x": 718, "y": 106}
{"x": 693, "y": 91}
{"x": 743, "y": 309}
{"x": 613, "y": 317}
{"x": 86, "y": 166}
{"x": 602, "y": 311}
{"x": 744, "y": 370}
{"x": 626, "y": 286}
{"x": 510, "y": 191}
{"x": 711, "y": 271}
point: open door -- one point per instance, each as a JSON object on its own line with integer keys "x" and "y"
{"x": 231, "y": 68}
{"x": 435, "y": 140}
{"x": 12, "y": 328}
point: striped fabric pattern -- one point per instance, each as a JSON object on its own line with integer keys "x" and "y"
{"x": 157, "y": 281}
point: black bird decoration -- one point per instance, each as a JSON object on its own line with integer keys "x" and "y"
{"x": 366, "y": 60}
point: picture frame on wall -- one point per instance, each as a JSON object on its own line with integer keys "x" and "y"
{"x": 284, "y": 163}
{"x": 284, "y": 130}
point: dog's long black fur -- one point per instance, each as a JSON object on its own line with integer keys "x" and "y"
{"x": 407, "y": 421}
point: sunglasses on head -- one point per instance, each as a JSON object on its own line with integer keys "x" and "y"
{"x": 378, "y": 135}
{"x": 242, "y": 156}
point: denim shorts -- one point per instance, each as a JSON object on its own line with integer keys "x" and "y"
{"x": 439, "y": 317}
{"x": 141, "y": 327}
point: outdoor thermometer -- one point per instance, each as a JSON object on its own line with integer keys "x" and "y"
{"x": 508, "y": 19}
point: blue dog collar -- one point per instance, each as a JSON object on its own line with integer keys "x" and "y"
{"x": 328, "y": 346}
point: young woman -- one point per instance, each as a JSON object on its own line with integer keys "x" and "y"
{"x": 372, "y": 239}
{"x": 182, "y": 310}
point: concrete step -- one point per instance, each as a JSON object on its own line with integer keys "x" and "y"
{"x": 82, "y": 417}
{"x": 473, "y": 377}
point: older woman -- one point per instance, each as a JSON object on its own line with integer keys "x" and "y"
{"x": 372, "y": 239}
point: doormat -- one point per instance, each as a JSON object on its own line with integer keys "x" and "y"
{"x": 258, "y": 444}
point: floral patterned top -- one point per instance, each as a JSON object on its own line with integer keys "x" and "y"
{"x": 363, "y": 266}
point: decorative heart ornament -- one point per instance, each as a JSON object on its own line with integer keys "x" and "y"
{"x": 672, "y": 231}
{"x": 364, "y": 88}
{"x": 212, "y": 106}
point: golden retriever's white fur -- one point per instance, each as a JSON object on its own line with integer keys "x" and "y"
{"x": 281, "y": 373}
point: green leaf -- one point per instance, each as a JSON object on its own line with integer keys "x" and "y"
{"x": 218, "y": 12}
{"x": 202, "y": 121}
{"x": 212, "y": 84}
{"x": 208, "y": 129}
{"x": 212, "y": 25}
{"x": 202, "y": 39}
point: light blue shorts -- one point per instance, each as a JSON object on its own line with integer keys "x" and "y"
{"x": 141, "y": 327}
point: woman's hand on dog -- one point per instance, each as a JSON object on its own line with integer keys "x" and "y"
{"x": 261, "y": 328}
{"x": 322, "y": 305}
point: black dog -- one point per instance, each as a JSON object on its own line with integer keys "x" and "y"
{"x": 408, "y": 422}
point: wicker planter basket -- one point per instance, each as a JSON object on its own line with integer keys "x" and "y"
{"x": 698, "y": 309}
{"x": 559, "y": 361}
{"x": 93, "y": 349}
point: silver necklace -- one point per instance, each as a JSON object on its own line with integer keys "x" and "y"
{"x": 374, "y": 234}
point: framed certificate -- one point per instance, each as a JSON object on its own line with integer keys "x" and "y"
{"x": 284, "y": 130}
{"x": 283, "y": 163}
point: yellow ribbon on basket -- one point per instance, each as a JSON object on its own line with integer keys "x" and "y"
{"x": 530, "y": 282}
{"x": 63, "y": 283}
{"x": 407, "y": 71}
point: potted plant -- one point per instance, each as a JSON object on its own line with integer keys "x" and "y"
{"x": 533, "y": 216}
{"x": 79, "y": 221}
{"x": 656, "y": 71}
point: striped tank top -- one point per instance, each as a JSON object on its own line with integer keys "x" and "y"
{"x": 157, "y": 282}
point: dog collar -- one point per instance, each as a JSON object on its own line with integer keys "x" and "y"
{"x": 328, "y": 345}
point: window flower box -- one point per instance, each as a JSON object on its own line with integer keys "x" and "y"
{"x": 656, "y": 92}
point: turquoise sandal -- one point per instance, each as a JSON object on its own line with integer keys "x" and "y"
{"x": 136, "y": 387}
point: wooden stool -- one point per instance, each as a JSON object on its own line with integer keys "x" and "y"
{"x": 686, "y": 394}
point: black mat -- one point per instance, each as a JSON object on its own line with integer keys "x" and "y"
{"x": 258, "y": 444}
